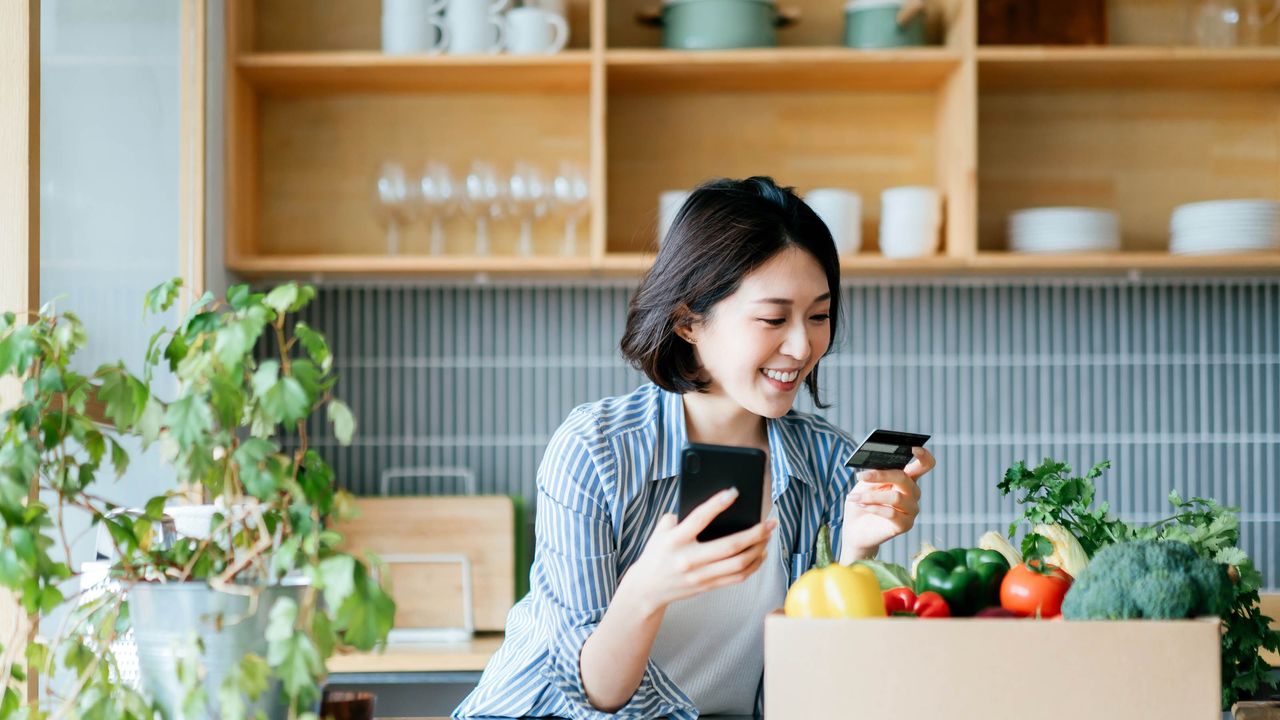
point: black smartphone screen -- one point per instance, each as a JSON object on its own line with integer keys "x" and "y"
{"x": 707, "y": 469}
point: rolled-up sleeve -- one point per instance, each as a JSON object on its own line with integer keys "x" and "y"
{"x": 576, "y": 568}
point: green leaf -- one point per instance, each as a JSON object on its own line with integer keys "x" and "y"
{"x": 367, "y": 615}
{"x": 227, "y": 397}
{"x": 239, "y": 297}
{"x": 337, "y": 578}
{"x": 151, "y": 422}
{"x": 292, "y": 654}
{"x": 176, "y": 351}
{"x": 51, "y": 380}
{"x": 119, "y": 458}
{"x": 286, "y": 402}
{"x": 96, "y": 445}
{"x": 260, "y": 470}
{"x": 188, "y": 419}
{"x": 344, "y": 423}
{"x": 315, "y": 345}
{"x": 246, "y": 680}
{"x": 161, "y": 297}
{"x": 1036, "y": 547}
{"x": 282, "y": 297}
{"x": 18, "y": 350}
{"x": 123, "y": 395}
{"x": 50, "y": 599}
{"x": 284, "y": 559}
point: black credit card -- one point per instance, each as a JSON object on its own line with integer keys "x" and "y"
{"x": 886, "y": 450}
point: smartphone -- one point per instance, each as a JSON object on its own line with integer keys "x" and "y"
{"x": 886, "y": 450}
{"x": 707, "y": 469}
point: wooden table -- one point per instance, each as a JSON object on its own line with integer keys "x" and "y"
{"x": 410, "y": 663}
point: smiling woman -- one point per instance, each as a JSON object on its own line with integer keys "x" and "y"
{"x": 628, "y": 612}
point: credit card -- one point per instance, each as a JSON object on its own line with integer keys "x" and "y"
{"x": 886, "y": 450}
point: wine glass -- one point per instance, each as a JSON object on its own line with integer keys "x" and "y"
{"x": 529, "y": 195}
{"x": 485, "y": 199}
{"x": 440, "y": 199}
{"x": 393, "y": 196}
{"x": 571, "y": 191}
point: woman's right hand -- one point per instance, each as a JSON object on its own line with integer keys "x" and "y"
{"x": 674, "y": 565}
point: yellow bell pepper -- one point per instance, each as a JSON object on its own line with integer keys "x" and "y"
{"x": 835, "y": 591}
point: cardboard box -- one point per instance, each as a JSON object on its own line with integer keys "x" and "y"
{"x": 910, "y": 669}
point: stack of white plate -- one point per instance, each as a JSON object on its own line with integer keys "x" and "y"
{"x": 1063, "y": 229}
{"x": 1224, "y": 226}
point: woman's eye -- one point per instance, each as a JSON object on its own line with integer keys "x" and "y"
{"x": 773, "y": 321}
{"x": 823, "y": 317}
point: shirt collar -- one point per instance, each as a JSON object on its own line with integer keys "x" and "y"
{"x": 785, "y": 456}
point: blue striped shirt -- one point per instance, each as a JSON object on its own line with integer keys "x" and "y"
{"x": 609, "y": 473}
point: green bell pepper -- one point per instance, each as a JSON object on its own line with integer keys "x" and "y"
{"x": 967, "y": 578}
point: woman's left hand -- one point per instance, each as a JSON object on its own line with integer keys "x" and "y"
{"x": 881, "y": 506}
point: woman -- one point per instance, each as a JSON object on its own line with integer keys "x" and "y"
{"x": 628, "y": 613}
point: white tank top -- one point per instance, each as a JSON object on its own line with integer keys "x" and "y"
{"x": 712, "y": 645}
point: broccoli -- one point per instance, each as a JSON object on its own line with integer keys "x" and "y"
{"x": 1159, "y": 580}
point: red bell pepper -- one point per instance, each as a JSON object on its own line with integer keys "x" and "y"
{"x": 928, "y": 604}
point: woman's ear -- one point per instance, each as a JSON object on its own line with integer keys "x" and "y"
{"x": 685, "y": 323}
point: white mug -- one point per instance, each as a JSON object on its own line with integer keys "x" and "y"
{"x": 475, "y": 26}
{"x": 413, "y": 26}
{"x": 910, "y": 220}
{"x": 841, "y": 210}
{"x": 669, "y": 204}
{"x": 534, "y": 31}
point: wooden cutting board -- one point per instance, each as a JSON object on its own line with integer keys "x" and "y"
{"x": 482, "y": 527}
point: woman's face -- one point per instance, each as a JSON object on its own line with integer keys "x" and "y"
{"x": 759, "y": 344}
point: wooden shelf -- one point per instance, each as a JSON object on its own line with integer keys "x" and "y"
{"x": 356, "y": 71}
{"x": 1141, "y": 126}
{"x": 421, "y": 657}
{"x": 1110, "y": 262}
{"x": 1042, "y": 67}
{"x": 779, "y": 69}
{"x": 389, "y": 265}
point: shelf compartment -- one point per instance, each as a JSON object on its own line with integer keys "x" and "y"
{"x": 1035, "y": 67}
{"x": 1140, "y": 153}
{"x": 350, "y": 72}
{"x": 779, "y": 69}
{"x": 329, "y": 25}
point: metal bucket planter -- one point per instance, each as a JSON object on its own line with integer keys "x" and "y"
{"x": 165, "y": 616}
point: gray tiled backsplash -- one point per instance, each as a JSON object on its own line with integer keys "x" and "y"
{"x": 1176, "y": 381}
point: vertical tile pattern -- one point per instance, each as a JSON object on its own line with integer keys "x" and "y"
{"x": 1174, "y": 381}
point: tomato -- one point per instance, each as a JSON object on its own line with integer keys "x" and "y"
{"x": 1029, "y": 591}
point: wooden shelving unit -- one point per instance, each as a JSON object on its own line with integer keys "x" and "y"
{"x": 1139, "y": 126}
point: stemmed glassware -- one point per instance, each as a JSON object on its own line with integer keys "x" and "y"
{"x": 485, "y": 198}
{"x": 393, "y": 201}
{"x": 441, "y": 199}
{"x": 529, "y": 194}
{"x": 570, "y": 192}
{"x": 484, "y": 195}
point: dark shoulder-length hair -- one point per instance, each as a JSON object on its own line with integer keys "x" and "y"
{"x": 725, "y": 230}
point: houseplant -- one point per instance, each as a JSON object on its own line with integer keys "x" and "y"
{"x": 236, "y": 433}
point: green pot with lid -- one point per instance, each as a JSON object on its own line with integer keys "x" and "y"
{"x": 870, "y": 24}
{"x": 719, "y": 24}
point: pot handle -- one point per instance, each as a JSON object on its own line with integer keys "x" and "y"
{"x": 788, "y": 16}
{"x": 650, "y": 16}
